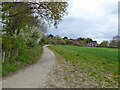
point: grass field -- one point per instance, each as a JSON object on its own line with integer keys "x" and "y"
{"x": 100, "y": 63}
{"x": 106, "y": 53}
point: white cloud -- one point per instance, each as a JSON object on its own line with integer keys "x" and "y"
{"x": 97, "y": 19}
{"x": 91, "y": 9}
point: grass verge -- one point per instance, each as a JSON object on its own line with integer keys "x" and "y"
{"x": 103, "y": 70}
{"x": 25, "y": 57}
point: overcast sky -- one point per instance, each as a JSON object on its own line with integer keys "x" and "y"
{"x": 96, "y": 19}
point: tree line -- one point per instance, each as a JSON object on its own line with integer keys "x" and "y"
{"x": 24, "y": 25}
{"x": 114, "y": 43}
{"x": 57, "y": 40}
{"x": 25, "y": 22}
{"x": 51, "y": 39}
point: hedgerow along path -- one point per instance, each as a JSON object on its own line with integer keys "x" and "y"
{"x": 33, "y": 76}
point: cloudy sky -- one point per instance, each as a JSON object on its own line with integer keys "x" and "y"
{"x": 96, "y": 19}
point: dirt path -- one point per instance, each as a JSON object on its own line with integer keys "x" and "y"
{"x": 34, "y": 75}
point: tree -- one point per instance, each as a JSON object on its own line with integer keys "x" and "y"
{"x": 65, "y": 38}
{"x": 7, "y": 43}
{"x": 117, "y": 38}
{"x": 104, "y": 44}
{"x": 17, "y": 15}
{"x": 85, "y": 41}
{"x": 21, "y": 18}
{"x": 88, "y": 40}
{"x": 36, "y": 37}
{"x": 43, "y": 40}
{"x": 26, "y": 22}
{"x": 58, "y": 38}
{"x": 69, "y": 41}
{"x": 13, "y": 20}
{"x": 50, "y": 35}
{"x": 80, "y": 39}
{"x": 113, "y": 43}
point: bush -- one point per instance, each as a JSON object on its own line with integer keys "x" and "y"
{"x": 25, "y": 57}
{"x": 8, "y": 68}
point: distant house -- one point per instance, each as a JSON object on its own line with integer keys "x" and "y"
{"x": 92, "y": 43}
{"x": 75, "y": 41}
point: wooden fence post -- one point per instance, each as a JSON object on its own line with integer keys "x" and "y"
{"x": 3, "y": 58}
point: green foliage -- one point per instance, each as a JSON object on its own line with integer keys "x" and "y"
{"x": 7, "y": 43}
{"x": 8, "y": 68}
{"x": 54, "y": 40}
{"x": 80, "y": 39}
{"x": 23, "y": 27}
{"x": 19, "y": 43}
{"x": 104, "y": 44}
{"x": 17, "y": 15}
{"x": 43, "y": 40}
{"x": 25, "y": 57}
{"x": 69, "y": 41}
{"x": 58, "y": 38}
{"x": 84, "y": 41}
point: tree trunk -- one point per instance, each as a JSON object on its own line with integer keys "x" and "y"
{"x": 9, "y": 54}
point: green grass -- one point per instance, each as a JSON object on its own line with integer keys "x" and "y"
{"x": 98, "y": 62}
{"x": 25, "y": 57}
{"x": 106, "y": 53}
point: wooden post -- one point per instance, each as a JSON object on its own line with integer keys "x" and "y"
{"x": 3, "y": 58}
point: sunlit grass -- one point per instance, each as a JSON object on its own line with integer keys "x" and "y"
{"x": 101, "y": 63}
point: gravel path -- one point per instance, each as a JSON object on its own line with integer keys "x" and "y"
{"x": 65, "y": 75}
{"x": 33, "y": 76}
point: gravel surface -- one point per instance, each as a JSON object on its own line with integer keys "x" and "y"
{"x": 65, "y": 75}
{"x": 52, "y": 71}
{"x": 34, "y": 75}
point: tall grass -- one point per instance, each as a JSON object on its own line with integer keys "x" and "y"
{"x": 25, "y": 57}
